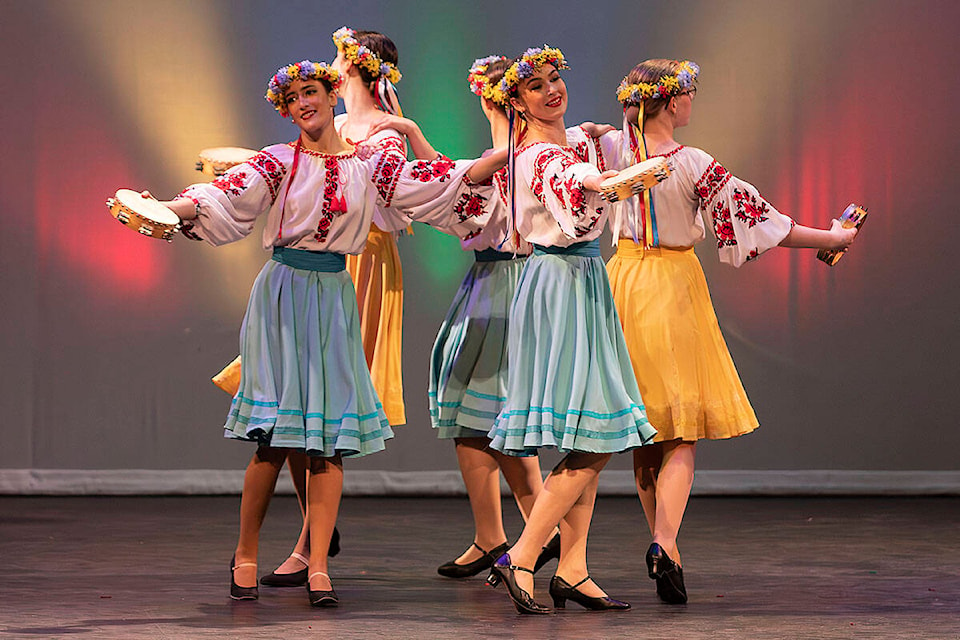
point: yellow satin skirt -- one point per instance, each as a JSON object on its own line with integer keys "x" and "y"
{"x": 378, "y": 279}
{"x": 687, "y": 379}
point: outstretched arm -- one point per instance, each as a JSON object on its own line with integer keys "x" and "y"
{"x": 184, "y": 208}
{"x": 836, "y": 237}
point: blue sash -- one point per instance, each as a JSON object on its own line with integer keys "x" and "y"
{"x": 588, "y": 249}
{"x": 310, "y": 260}
{"x": 492, "y": 255}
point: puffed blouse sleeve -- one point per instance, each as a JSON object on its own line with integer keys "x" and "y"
{"x": 744, "y": 223}
{"x": 229, "y": 206}
{"x": 435, "y": 192}
{"x": 555, "y": 176}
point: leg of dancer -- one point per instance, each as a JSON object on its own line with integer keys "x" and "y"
{"x": 571, "y": 385}
{"x": 469, "y": 364}
{"x": 686, "y": 375}
{"x": 305, "y": 384}
{"x": 376, "y": 273}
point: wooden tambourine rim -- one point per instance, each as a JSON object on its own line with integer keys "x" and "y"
{"x": 209, "y": 164}
{"x": 620, "y": 186}
{"x": 123, "y": 207}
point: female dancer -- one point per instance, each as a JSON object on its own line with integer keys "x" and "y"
{"x": 468, "y": 365}
{"x": 367, "y": 63}
{"x": 570, "y": 384}
{"x": 305, "y": 384}
{"x": 689, "y": 384}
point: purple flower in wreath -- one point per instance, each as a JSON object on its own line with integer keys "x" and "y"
{"x": 524, "y": 69}
{"x": 685, "y": 79}
{"x": 306, "y": 68}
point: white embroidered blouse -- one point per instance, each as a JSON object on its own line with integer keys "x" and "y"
{"x": 332, "y": 198}
{"x": 553, "y": 208}
{"x": 744, "y": 223}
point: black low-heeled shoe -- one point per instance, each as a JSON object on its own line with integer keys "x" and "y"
{"x": 561, "y": 591}
{"x": 295, "y": 579}
{"x": 236, "y": 591}
{"x": 334, "y": 543}
{"x": 299, "y": 578}
{"x": 668, "y": 574}
{"x": 548, "y": 553}
{"x": 453, "y": 570}
{"x": 503, "y": 571}
{"x": 322, "y": 597}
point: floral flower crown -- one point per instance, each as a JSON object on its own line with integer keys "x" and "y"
{"x": 358, "y": 54}
{"x": 527, "y": 64}
{"x": 480, "y": 84}
{"x": 303, "y": 70}
{"x": 666, "y": 87}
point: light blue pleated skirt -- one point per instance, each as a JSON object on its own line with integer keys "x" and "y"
{"x": 571, "y": 383}
{"x": 468, "y": 365}
{"x": 304, "y": 383}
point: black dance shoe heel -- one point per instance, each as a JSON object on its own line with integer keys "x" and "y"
{"x": 236, "y": 591}
{"x": 668, "y": 574}
{"x": 503, "y": 571}
{"x": 656, "y": 561}
{"x": 334, "y": 544}
{"x": 548, "y": 553}
{"x": 561, "y": 591}
{"x": 454, "y": 570}
{"x": 295, "y": 579}
{"x": 322, "y": 598}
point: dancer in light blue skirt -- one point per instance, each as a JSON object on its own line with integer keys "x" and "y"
{"x": 305, "y": 384}
{"x": 571, "y": 384}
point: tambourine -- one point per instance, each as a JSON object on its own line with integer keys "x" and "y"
{"x": 853, "y": 216}
{"x": 143, "y": 215}
{"x": 216, "y": 160}
{"x": 635, "y": 179}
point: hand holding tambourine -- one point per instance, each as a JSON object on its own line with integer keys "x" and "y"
{"x": 144, "y": 214}
{"x": 635, "y": 179}
{"x": 852, "y": 218}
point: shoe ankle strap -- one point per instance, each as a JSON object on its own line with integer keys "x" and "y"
{"x": 302, "y": 558}
{"x": 516, "y": 568}
{"x": 574, "y": 586}
{"x": 318, "y": 573}
{"x": 243, "y": 564}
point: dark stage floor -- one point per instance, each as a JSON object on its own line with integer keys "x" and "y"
{"x": 755, "y": 568}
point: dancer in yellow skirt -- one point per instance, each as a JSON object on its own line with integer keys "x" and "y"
{"x": 689, "y": 384}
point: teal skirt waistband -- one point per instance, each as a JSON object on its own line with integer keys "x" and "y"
{"x": 588, "y": 249}
{"x": 492, "y": 255}
{"x": 310, "y": 260}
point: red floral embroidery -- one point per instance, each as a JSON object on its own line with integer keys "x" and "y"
{"x": 333, "y": 205}
{"x": 502, "y": 184}
{"x": 437, "y": 169}
{"x": 564, "y": 190}
{"x": 231, "y": 183}
{"x": 712, "y": 180}
{"x": 387, "y": 174}
{"x": 271, "y": 170}
{"x": 598, "y": 151}
{"x": 753, "y": 255}
{"x": 581, "y": 151}
{"x": 543, "y": 159}
{"x": 470, "y": 205}
{"x": 722, "y": 225}
{"x": 750, "y": 209}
